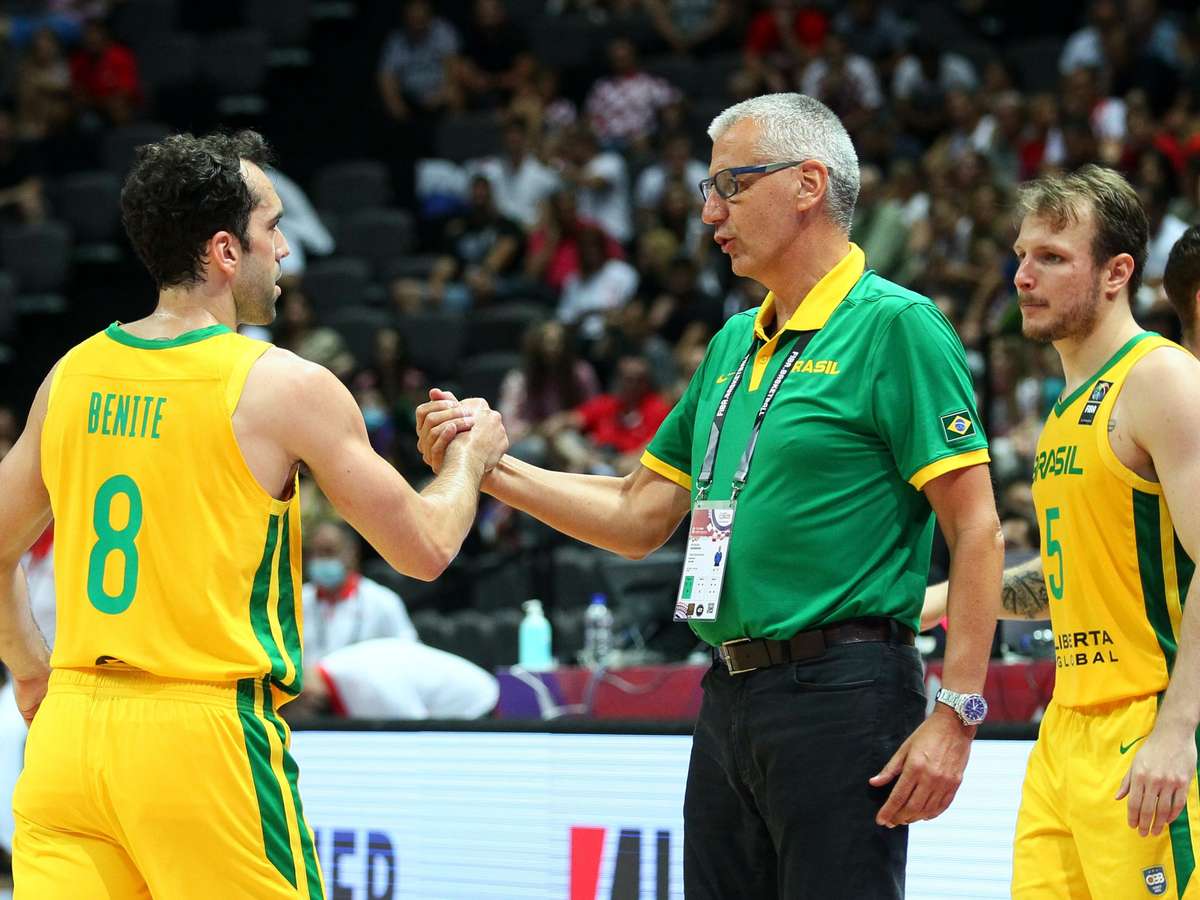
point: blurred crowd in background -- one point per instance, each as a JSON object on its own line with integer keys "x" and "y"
{"x": 501, "y": 198}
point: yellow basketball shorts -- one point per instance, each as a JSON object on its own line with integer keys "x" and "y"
{"x": 137, "y": 787}
{"x": 1073, "y": 840}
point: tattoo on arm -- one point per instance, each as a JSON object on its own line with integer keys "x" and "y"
{"x": 1024, "y": 592}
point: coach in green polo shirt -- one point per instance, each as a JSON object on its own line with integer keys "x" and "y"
{"x": 879, "y": 403}
{"x": 841, "y": 415}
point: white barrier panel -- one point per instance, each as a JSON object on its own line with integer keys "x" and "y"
{"x": 441, "y": 815}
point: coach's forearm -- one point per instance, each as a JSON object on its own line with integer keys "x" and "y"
{"x": 976, "y": 564}
{"x": 602, "y": 510}
{"x": 22, "y": 647}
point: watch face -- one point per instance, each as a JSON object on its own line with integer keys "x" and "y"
{"x": 974, "y": 709}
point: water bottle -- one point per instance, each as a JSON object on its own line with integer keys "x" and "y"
{"x": 597, "y": 632}
{"x": 533, "y": 639}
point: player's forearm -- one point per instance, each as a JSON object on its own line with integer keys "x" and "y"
{"x": 1181, "y": 705}
{"x": 1023, "y": 592}
{"x": 22, "y": 647}
{"x": 976, "y": 565}
{"x": 448, "y": 510}
{"x": 596, "y": 509}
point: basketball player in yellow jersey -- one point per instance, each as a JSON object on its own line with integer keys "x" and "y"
{"x": 1109, "y": 807}
{"x": 167, "y": 449}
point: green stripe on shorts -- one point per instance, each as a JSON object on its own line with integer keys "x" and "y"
{"x": 292, "y": 771}
{"x": 267, "y": 790}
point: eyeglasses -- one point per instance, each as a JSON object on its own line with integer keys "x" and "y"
{"x": 726, "y": 181}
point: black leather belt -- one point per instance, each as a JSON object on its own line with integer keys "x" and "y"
{"x": 748, "y": 654}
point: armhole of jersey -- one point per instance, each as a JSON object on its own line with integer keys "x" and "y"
{"x": 244, "y": 359}
{"x": 240, "y": 371}
{"x": 1104, "y": 445}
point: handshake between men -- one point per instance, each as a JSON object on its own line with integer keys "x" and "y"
{"x": 444, "y": 417}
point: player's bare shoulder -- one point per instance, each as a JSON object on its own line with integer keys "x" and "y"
{"x": 1161, "y": 398}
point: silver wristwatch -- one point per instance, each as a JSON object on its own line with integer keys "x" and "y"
{"x": 971, "y": 709}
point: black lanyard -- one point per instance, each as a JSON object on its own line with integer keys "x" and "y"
{"x": 714, "y": 434}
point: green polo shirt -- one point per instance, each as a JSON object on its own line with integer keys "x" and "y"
{"x": 831, "y": 524}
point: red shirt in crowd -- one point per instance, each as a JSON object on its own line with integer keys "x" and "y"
{"x": 609, "y": 424}
{"x": 111, "y": 73}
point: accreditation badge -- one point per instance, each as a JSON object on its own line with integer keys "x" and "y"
{"x": 704, "y": 564}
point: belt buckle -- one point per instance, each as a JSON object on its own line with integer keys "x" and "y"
{"x": 723, "y": 650}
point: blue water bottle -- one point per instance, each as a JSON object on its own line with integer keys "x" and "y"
{"x": 533, "y": 639}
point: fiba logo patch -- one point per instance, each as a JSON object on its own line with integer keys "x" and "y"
{"x": 1156, "y": 880}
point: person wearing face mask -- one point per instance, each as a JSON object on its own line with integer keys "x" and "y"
{"x": 364, "y": 656}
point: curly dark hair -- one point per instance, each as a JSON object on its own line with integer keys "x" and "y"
{"x": 1181, "y": 279}
{"x": 183, "y": 190}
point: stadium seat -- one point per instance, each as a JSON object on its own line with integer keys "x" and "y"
{"x": 119, "y": 146}
{"x": 434, "y": 341}
{"x": 234, "y": 65}
{"x": 332, "y": 284}
{"x": 376, "y": 236}
{"x": 352, "y": 186}
{"x": 502, "y": 328}
{"x": 38, "y": 257}
{"x": 170, "y": 62}
{"x": 467, "y": 136}
{"x": 285, "y": 22}
{"x": 1035, "y": 63}
{"x": 358, "y": 327}
{"x": 89, "y": 203}
{"x": 143, "y": 23}
{"x": 480, "y": 376}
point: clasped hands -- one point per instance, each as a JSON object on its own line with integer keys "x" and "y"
{"x": 442, "y": 418}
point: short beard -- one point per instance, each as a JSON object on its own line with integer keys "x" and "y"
{"x": 1077, "y": 321}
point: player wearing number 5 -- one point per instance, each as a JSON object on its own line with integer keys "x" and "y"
{"x": 168, "y": 450}
{"x": 1109, "y": 807}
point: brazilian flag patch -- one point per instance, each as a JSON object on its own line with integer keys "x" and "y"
{"x": 956, "y": 426}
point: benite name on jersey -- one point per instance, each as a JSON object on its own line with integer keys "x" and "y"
{"x": 1073, "y": 640}
{"x": 125, "y": 415}
{"x": 1059, "y": 461}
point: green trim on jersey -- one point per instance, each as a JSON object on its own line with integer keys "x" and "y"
{"x": 1061, "y": 405}
{"x": 121, "y": 336}
{"x": 260, "y": 616}
{"x": 311, "y": 870}
{"x": 1147, "y": 527}
{"x": 287, "y": 613}
{"x": 828, "y": 526}
{"x": 1185, "y": 568}
{"x": 277, "y": 840}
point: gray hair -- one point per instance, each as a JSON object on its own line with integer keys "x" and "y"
{"x": 797, "y": 126}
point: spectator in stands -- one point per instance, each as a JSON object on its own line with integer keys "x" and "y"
{"x": 692, "y": 26}
{"x": 872, "y": 29}
{"x": 675, "y": 164}
{"x": 520, "y": 181}
{"x": 538, "y": 103}
{"x": 296, "y": 330}
{"x": 844, "y": 81}
{"x": 416, "y": 66}
{"x": 553, "y": 251}
{"x": 601, "y": 285}
{"x": 105, "y": 75}
{"x": 622, "y": 108}
{"x": 682, "y": 312}
{"x": 600, "y": 180}
{"x": 495, "y": 59}
{"x": 607, "y": 434}
{"x": 780, "y": 41}
{"x": 363, "y": 655}
{"x": 481, "y": 253}
{"x": 21, "y": 198}
{"x": 879, "y": 224}
{"x": 920, "y": 82}
{"x": 43, "y": 86}
{"x": 551, "y": 379}
{"x": 304, "y": 228}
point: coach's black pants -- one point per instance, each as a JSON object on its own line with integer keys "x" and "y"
{"x": 777, "y": 802}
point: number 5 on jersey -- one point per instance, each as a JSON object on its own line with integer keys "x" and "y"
{"x": 111, "y": 540}
{"x": 1054, "y": 548}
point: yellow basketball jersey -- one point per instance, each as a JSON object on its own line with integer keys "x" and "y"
{"x": 169, "y": 555}
{"x": 1116, "y": 575}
